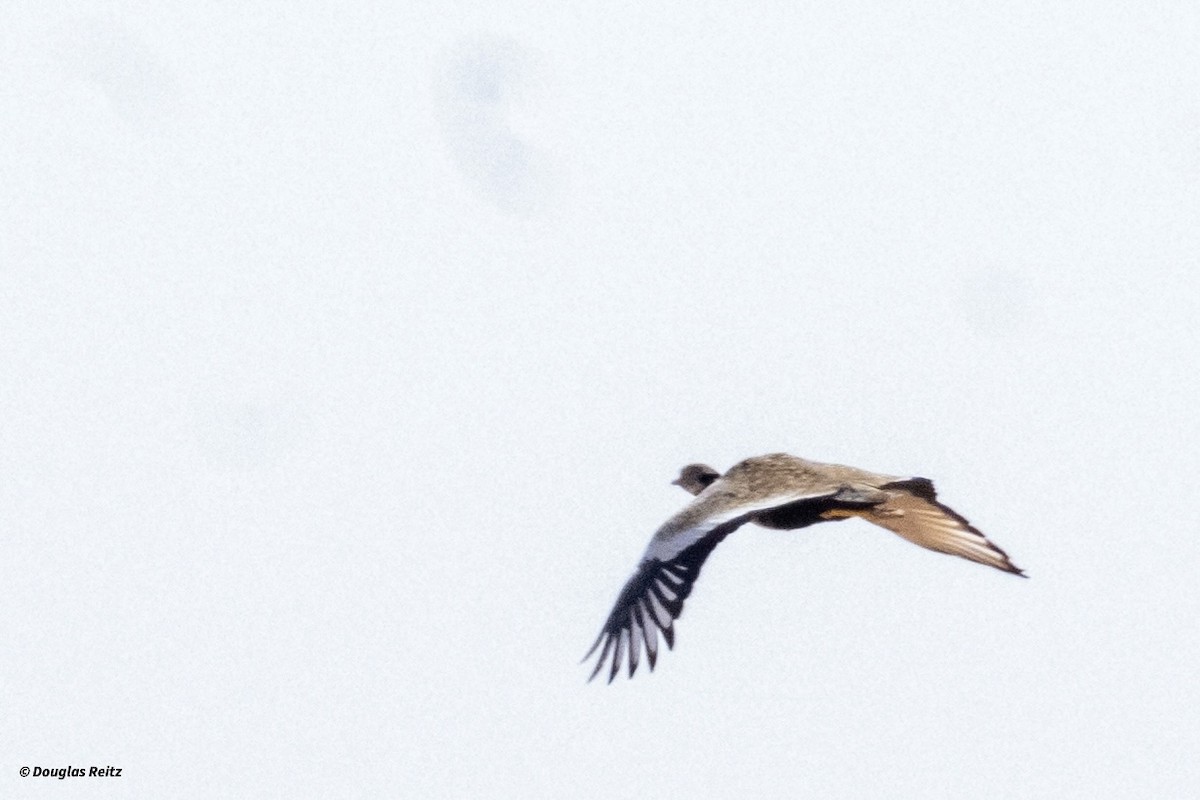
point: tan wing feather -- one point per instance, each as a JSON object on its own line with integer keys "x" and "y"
{"x": 931, "y": 525}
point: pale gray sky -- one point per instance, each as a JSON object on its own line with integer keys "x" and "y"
{"x": 348, "y": 352}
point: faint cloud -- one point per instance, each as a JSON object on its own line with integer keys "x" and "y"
{"x": 1185, "y": 148}
{"x": 243, "y": 433}
{"x": 138, "y": 86}
{"x": 997, "y": 301}
{"x": 484, "y": 88}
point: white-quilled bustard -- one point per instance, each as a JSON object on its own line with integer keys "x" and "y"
{"x": 776, "y": 491}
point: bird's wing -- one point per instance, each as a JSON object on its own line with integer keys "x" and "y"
{"x": 912, "y": 511}
{"x": 653, "y": 598}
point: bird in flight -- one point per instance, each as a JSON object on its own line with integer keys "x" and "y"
{"x": 775, "y": 491}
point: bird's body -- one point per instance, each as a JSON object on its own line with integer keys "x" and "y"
{"x": 776, "y": 491}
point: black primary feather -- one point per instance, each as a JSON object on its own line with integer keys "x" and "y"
{"x": 650, "y": 603}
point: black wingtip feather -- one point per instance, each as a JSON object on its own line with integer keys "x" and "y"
{"x": 603, "y": 655}
{"x": 650, "y": 585}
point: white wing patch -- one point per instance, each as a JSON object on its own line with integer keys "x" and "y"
{"x": 711, "y": 510}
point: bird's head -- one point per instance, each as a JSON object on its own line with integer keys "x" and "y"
{"x": 695, "y": 478}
